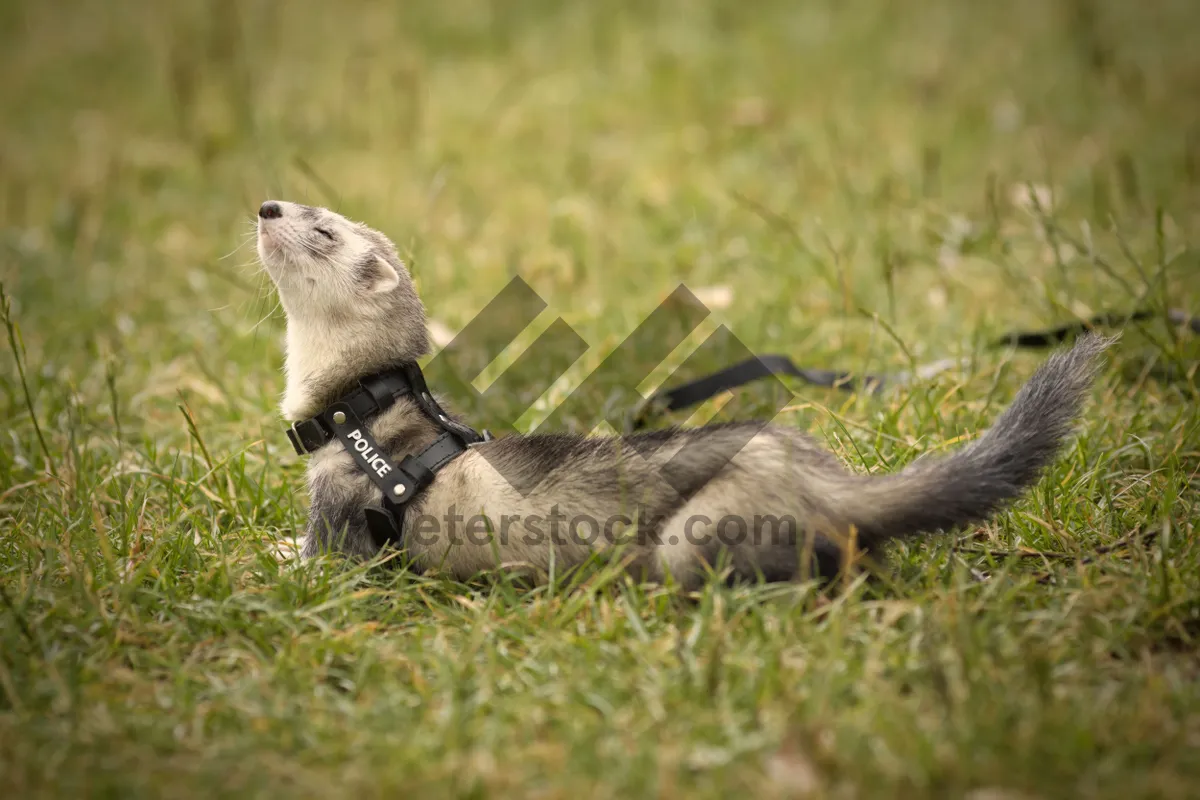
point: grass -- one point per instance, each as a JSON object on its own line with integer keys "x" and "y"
{"x": 876, "y": 183}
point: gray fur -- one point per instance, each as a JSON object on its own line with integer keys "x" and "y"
{"x": 784, "y": 507}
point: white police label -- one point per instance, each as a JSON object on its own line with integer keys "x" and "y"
{"x": 367, "y": 454}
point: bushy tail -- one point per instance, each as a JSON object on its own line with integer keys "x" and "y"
{"x": 973, "y": 483}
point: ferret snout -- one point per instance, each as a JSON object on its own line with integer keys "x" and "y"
{"x": 270, "y": 210}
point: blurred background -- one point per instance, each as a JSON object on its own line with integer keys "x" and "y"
{"x": 810, "y": 164}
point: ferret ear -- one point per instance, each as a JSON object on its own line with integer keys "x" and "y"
{"x": 379, "y": 275}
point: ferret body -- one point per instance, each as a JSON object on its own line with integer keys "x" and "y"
{"x": 674, "y": 501}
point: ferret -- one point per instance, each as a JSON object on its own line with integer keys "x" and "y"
{"x": 671, "y": 503}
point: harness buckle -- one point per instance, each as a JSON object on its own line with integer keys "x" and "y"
{"x": 307, "y": 435}
{"x": 487, "y": 437}
{"x": 294, "y": 438}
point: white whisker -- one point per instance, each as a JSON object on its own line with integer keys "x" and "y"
{"x": 270, "y": 314}
{"x": 245, "y": 241}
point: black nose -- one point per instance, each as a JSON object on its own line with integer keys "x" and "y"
{"x": 270, "y": 210}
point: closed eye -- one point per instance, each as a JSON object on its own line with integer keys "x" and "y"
{"x": 325, "y": 232}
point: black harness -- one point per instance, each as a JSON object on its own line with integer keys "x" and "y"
{"x": 345, "y": 420}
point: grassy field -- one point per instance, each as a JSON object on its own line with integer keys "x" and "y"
{"x": 861, "y": 184}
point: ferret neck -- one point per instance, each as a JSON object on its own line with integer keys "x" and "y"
{"x": 316, "y": 379}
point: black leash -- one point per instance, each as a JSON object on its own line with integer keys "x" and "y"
{"x": 400, "y": 483}
{"x": 1052, "y": 336}
{"x": 752, "y": 369}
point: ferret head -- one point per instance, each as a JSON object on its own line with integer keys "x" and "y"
{"x": 351, "y": 305}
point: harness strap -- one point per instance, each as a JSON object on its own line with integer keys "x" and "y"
{"x": 416, "y": 380}
{"x": 373, "y": 395}
{"x": 386, "y": 523}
